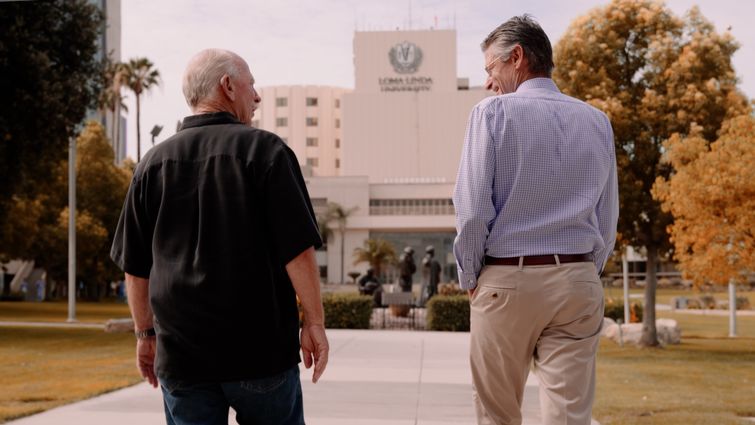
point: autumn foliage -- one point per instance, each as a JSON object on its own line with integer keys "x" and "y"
{"x": 712, "y": 198}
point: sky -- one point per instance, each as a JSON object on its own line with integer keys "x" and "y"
{"x": 298, "y": 42}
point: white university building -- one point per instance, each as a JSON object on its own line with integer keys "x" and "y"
{"x": 389, "y": 148}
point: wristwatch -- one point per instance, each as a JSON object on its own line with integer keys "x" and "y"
{"x": 146, "y": 333}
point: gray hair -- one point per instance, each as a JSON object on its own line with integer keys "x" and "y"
{"x": 204, "y": 71}
{"x": 526, "y": 32}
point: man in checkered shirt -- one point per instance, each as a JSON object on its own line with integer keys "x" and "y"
{"x": 536, "y": 203}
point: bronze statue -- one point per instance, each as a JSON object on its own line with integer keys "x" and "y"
{"x": 406, "y": 269}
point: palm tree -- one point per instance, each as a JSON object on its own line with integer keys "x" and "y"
{"x": 140, "y": 76}
{"x": 375, "y": 252}
{"x": 112, "y": 100}
{"x": 338, "y": 214}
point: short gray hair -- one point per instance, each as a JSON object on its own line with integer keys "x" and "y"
{"x": 204, "y": 71}
{"x": 526, "y": 32}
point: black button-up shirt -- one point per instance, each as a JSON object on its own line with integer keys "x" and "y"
{"x": 212, "y": 217}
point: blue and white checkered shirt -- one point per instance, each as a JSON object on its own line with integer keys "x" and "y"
{"x": 537, "y": 176}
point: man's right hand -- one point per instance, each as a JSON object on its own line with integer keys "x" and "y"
{"x": 315, "y": 349}
{"x": 145, "y": 359}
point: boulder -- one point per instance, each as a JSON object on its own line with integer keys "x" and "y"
{"x": 119, "y": 325}
{"x": 668, "y": 332}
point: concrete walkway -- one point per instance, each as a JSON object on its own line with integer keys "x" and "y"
{"x": 373, "y": 378}
{"x": 73, "y": 325}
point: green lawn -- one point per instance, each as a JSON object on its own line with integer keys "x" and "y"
{"x": 663, "y": 296}
{"x": 57, "y": 311}
{"x": 43, "y": 368}
{"x": 707, "y": 379}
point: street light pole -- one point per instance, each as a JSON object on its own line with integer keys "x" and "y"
{"x": 72, "y": 230}
{"x": 732, "y": 308}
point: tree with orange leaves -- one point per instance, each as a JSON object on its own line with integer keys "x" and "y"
{"x": 712, "y": 198}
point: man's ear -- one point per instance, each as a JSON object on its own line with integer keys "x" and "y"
{"x": 517, "y": 56}
{"x": 226, "y": 86}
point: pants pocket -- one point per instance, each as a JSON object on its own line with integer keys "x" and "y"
{"x": 264, "y": 385}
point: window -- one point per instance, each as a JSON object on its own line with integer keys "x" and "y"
{"x": 311, "y": 141}
{"x": 281, "y": 122}
{"x": 338, "y": 163}
{"x": 338, "y": 143}
{"x": 338, "y": 103}
{"x": 311, "y": 121}
{"x": 411, "y": 207}
{"x": 338, "y": 123}
{"x": 281, "y": 101}
{"x": 313, "y": 162}
{"x": 311, "y": 101}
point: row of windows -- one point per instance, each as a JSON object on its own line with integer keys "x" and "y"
{"x": 443, "y": 206}
{"x": 315, "y": 162}
{"x": 283, "y": 122}
{"x": 310, "y": 101}
{"x": 313, "y": 142}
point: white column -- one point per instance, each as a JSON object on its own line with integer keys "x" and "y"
{"x": 72, "y": 230}
{"x": 732, "y": 309}
{"x": 625, "y": 272}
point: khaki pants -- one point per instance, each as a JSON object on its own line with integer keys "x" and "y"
{"x": 550, "y": 313}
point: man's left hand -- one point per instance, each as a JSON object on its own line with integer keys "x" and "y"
{"x": 145, "y": 359}
{"x": 314, "y": 349}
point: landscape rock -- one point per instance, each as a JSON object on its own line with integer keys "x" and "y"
{"x": 119, "y": 326}
{"x": 668, "y": 330}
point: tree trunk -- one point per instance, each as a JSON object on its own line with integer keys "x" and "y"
{"x": 343, "y": 239}
{"x": 649, "y": 332}
{"x": 138, "y": 132}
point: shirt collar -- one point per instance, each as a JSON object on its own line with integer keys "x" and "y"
{"x": 209, "y": 119}
{"x": 538, "y": 83}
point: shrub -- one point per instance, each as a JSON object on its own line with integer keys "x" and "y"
{"x": 707, "y": 302}
{"x": 743, "y": 303}
{"x": 615, "y": 310}
{"x": 448, "y": 313}
{"x": 450, "y": 289}
{"x": 347, "y": 311}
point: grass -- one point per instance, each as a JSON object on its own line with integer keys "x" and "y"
{"x": 664, "y": 295}
{"x": 57, "y": 311}
{"x": 707, "y": 379}
{"x": 43, "y": 368}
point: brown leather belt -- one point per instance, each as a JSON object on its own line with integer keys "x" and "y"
{"x": 538, "y": 260}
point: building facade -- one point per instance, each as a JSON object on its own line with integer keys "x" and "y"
{"x": 309, "y": 120}
{"x": 402, "y": 134}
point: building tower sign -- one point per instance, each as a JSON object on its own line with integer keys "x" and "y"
{"x": 405, "y": 57}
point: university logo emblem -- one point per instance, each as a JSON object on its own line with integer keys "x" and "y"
{"x": 405, "y": 57}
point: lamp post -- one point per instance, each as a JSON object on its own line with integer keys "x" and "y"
{"x": 72, "y": 230}
{"x": 155, "y": 132}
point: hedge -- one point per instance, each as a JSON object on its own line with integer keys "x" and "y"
{"x": 448, "y": 313}
{"x": 347, "y": 311}
{"x": 615, "y": 310}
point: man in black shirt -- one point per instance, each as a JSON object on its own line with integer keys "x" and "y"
{"x": 217, "y": 237}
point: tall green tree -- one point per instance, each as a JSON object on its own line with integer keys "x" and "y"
{"x": 42, "y": 233}
{"x": 49, "y": 77}
{"x": 654, "y": 74}
{"x": 140, "y": 76}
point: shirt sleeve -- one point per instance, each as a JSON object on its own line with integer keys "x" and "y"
{"x": 607, "y": 210}
{"x": 473, "y": 197}
{"x": 288, "y": 209}
{"x": 132, "y": 242}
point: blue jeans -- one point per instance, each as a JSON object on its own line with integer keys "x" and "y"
{"x": 275, "y": 400}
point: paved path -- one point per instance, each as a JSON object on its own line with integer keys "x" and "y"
{"x": 374, "y": 378}
{"x": 74, "y": 325}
